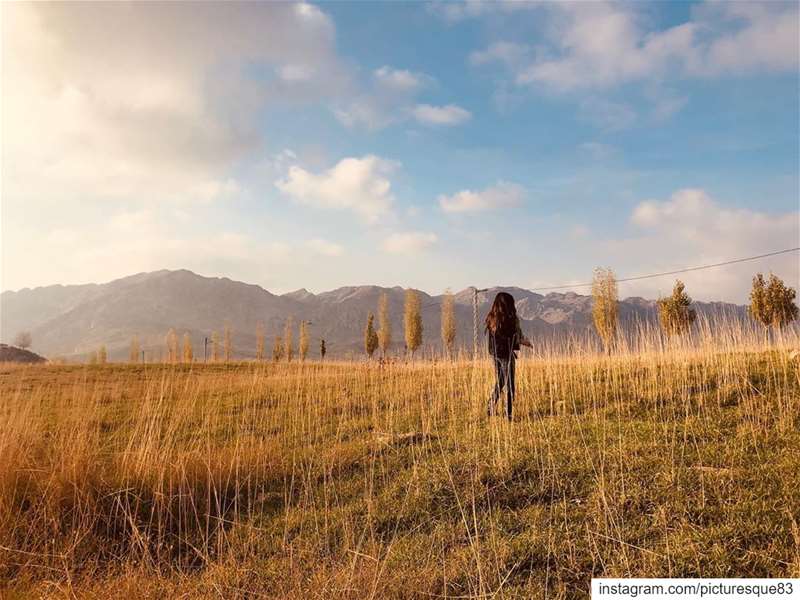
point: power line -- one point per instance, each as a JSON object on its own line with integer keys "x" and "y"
{"x": 639, "y": 277}
{"x": 476, "y": 291}
{"x": 662, "y": 274}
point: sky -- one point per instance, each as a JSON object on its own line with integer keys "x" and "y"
{"x": 429, "y": 145}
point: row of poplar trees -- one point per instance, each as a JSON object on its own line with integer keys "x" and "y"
{"x": 412, "y": 325}
{"x": 283, "y": 347}
{"x": 771, "y": 304}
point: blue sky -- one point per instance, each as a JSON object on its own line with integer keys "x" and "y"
{"x": 434, "y": 145}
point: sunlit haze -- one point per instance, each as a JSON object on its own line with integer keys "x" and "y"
{"x": 436, "y": 145}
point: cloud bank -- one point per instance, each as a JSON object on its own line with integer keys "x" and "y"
{"x": 501, "y": 195}
{"x": 357, "y": 184}
{"x": 602, "y": 44}
{"x": 409, "y": 242}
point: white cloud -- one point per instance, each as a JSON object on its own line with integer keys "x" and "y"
{"x": 409, "y": 242}
{"x": 386, "y": 98}
{"x": 603, "y": 44}
{"x": 600, "y": 44}
{"x": 366, "y": 111}
{"x": 296, "y": 73}
{"x": 748, "y": 36}
{"x": 665, "y": 102}
{"x": 324, "y": 247}
{"x": 399, "y": 80}
{"x": 501, "y": 195}
{"x": 135, "y": 241}
{"x": 510, "y": 53}
{"x": 457, "y": 11}
{"x": 279, "y": 162}
{"x": 441, "y": 115}
{"x": 357, "y": 184}
{"x": 691, "y": 228}
{"x": 390, "y": 98}
{"x": 688, "y": 207}
{"x": 112, "y": 101}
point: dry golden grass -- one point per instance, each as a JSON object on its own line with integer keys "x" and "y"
{"x": 358, "y": 480}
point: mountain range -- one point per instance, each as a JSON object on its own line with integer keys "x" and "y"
{"x": 71, "y": 321}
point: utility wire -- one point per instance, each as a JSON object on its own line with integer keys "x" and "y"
{"x": 650, "y": 276}
{"x": 634, "y": 278}
{"x": 686, "y": 270}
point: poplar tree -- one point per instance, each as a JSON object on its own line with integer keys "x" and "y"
{"x": 227, "y": 343}
{"x": 288, "y": 347}
{"x": 133, "y": 357}
{"x": 384, "y": 324}
{"x": 188, "y": 351}
{"x": 259, "y": 341}
{"x": 758, "y": 301}
{"x": 604, "y": 308}
{"x": 214, "y": 346}
{"x": 448, "y": 324}
{"x": 102, "y": 355}
{"x": 370, "y": 337}
{"x": 322, "y": 350}
{"x": 277, "y": 349}
{"x": 303, "y": 340}
{"x": 412, "y": 321}
{"x": 172, "y": 346}
{"x": 780, "y": 299}
{"x": 772, "y": 301}
{"x": 675, "y": 313}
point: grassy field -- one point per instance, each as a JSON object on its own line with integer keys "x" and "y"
{"x": 345, "y": 480}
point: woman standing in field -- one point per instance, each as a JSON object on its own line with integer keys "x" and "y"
{"x": 505, "y": 337}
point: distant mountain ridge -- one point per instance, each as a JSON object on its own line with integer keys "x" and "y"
{"x": 73, "y": 320}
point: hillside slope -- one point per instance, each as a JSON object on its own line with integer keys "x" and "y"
{"x": 71, "y": 321}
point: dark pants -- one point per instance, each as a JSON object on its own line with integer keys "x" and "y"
{"x": 504, "y": 375}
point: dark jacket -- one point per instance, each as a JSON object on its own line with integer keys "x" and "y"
{"x": 501, "y": 345}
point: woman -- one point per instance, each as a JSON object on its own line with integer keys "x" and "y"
{"x": 505, "y": 337}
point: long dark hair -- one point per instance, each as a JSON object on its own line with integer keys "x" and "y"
{"x": 502, "y": 318}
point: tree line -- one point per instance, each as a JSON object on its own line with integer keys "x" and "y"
{"x": 412, "y": 325}
{"x": 283, "y": 348}
{"x": 772, "y": 303}
{"x": 220, "y": 348}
